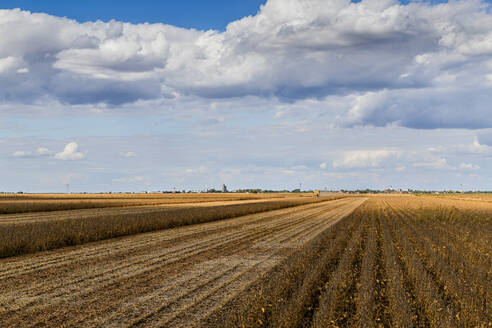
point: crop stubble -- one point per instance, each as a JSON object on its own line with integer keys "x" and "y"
{"x": 170, "y": 278}
{"x": 31, "y": 232}
{"x": 27, "y": 203}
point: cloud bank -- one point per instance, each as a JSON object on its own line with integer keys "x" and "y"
{"x": 415, "y": 65}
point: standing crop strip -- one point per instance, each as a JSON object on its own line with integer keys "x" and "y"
{"x": 396, "y": 261}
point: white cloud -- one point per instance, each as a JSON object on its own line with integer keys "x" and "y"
{"x": 366, "y": 158}
{"x": 21, "y": 153}
{"x": 9, "y": 63}
{"x": 128, "y": 154}
{"x": 469, "y": 166}
{"x": 43, "y": 151}
{"x": 70, "y": 152}
{"x": 415, "y": 65}
{"x": 323, "y": 165}
{"x": 475, "y": 147}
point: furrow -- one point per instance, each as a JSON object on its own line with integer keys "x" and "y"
{"x": 437, "y": 314}
{"x": 365, "y": 294}
{"x": 402, "y": 314}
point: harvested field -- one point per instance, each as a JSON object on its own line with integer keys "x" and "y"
{"x": 173, "y": 277}
{"x": 24, "y": 203}
{"x": 377, "y": 261}
{"x": 31, "y": 232}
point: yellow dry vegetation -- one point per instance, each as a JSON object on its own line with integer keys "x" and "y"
{"x": 338, "y": 261}
{"x": 24, "y": 203}
{"x": 22, "y": 233}
{"x": 396, "y": 261}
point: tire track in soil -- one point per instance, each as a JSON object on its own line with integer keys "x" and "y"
{"x": 300, "y": 221}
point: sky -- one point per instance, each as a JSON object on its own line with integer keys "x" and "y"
{"x": 134, "y": 96}
{"x": 201, "y": 15}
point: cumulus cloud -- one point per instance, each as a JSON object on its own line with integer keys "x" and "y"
{"x": 415, "y": 65}
{"x": 434, "y": 158}
{"x": 43, "y": 151}
{"x": 70, "y": 152}
{"x": 366, "y": 158}
{"x": 10, "y": 63}
{"x": 478, "y": 148}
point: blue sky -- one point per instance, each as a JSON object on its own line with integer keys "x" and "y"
{"x": 197, "y": 14}
{"x": 368, "y": 94}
